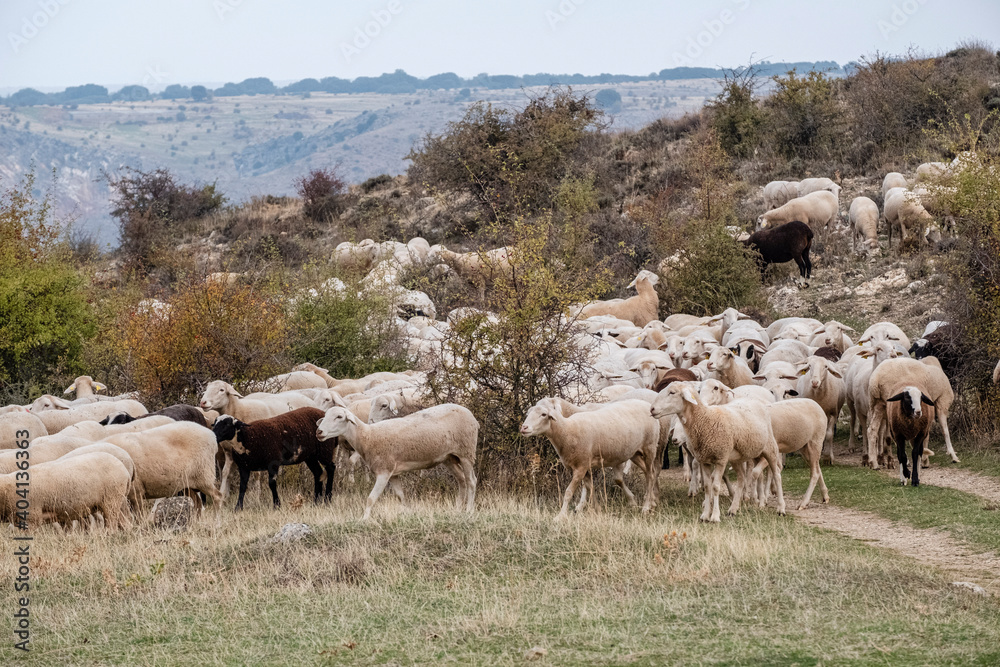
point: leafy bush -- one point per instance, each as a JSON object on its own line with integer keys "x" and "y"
{"x": 348, "y": 334}
{"x": 322, "y": 193}
{"x": 804, "y": 117}
{"x": 44, "y": 316}
{"x": 735, "y": 113}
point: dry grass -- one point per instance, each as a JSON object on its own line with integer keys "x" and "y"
{"x": 432, "y": 584}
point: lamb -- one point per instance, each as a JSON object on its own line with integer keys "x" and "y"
{"x": 893, "y": 179}
{"x": 42, "y": 450}
{"x": 799, "y": 425}
{"x": 863, "y": 219}
{"x": 57, "y": 419}
{"x": 179, "y": 412}
{"x": 607, "y": 437}
{"x": 787, "y": 243}
{"x": 886, "y": 379}
{"x": 170, "y": 459}
{"x": 70, "y": 489}
{"x": 94, "y": 431}
{"x": 907, "y": 419}
{"x": 221, "y": 396}
{"x": 905, "y": 211}
{"x": 720, "y": 435}
{"x": 729, "y": 368}
{"x": 822, "y": 381}
{"x": 18, "y": 426}
{"x": 777, "y": 193}
{"x": 443, "y": 434}
{"x": 810, "y": 185}
{"x": 817, "y": 209}
{"x": 640, "y": 309}
{"x": 268, "y": 444}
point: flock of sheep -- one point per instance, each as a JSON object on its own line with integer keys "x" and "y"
{"x": 726, "y": 389}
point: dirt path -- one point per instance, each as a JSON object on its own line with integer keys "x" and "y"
{"x": 932, "y": 547}
{"x": 941, "y": 473}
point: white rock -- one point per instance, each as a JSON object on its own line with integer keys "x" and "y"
{"x": 291, "y": 532}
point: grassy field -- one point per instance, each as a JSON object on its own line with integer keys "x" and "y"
{"x": 432, "y": 585}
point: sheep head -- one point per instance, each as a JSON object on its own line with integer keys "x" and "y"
{"x": 336, "y": 422}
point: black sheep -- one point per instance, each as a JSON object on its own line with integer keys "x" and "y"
{"x": 179, "y": 412}
{"x": 268, "y": 444}
{"x": 785, "y": 243}
{"x": 942, "y": 343}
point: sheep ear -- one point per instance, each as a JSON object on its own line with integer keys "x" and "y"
{"x": 236, "y": 393}
{"x": 70, "y": 389}
{"x": 803, "y": 371}
{"x": 689, "y": 395}
{"x": 741, "y": 316}
{"x": 735, "y": 350}
{"x": 925, "y": 399}
{"x": 759, "y": 377}
{"x": 791, "y": 392}
{"x": 864, "y": 355}
{"x": 819, "y": 331}
{"x": 393, "y": 407}
{"x": 833, "y": 371}
{"x": 897, "y": 397}
{"x": 789, "y": 377}
{"x": 99, "y": 387}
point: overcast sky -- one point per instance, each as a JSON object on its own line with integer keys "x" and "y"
{"x": 50, "y": 44}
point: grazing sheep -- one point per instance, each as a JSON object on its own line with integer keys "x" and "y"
{"x": 932, "y": 171}
{"x": 57, "y": 419}
{"x": 777, "y": 193}
{"x": 607, "y": 437}
{"x": 71, "y": 489}
{"x": 169, "y": 459}
{"x": 443, "y": 434}
{"x": 640, "y": 309}
{"x": 179, "y": 412}
{"x": 719, "y": 435}
{"x": 786, "y": 243}
{"x": 893, "y": 179}
{"x": 817, "y": 209}
{"x": 904, "y": 210}
{"x": 895, "y": 373}
{"x": 822, "y": 381}
{"x": 17, "y": 426}
{"x": 46, "y": 448}
{"x": 907, "y": 419}
{"x": 809, "y": 185}
{"x": 268, "y": 444}
{"x": 863, "y": 219}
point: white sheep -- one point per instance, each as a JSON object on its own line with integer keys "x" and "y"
{"x": 84, "y": 387}
{"x": 444, "y": 434}
{"x": 57, "y": 419}
{"x": 863, "y": 219}
{"x": 17, "y": 426}
{"x": 170, "y": 459}
{"x": 816, "y": 209}
{"x": 809, "y": 185}
{"x": 884, "y": 331}
{"x": 932, "y": 171}
{"x": 904, "y": 210}
{"x": 397, "y": 404}
{"x": 71, "y": 489}
{"x": 729, "y": 368}
{"x": 607, "y": 437}
{"x": 300, "y": 379}
{"x": 93, "y": 431}
{"x": 355, "y": 256}
{"x": 43, "y": 449}
{"x": 893, "y": 179}
{"x": 832, "y": 334}
{"x": 777, "y": 193}
{"x": 822, "y": 381}
{"x": 856, "y": 379}
{"x": 720, "y": 435}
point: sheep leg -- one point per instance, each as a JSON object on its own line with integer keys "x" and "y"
{"x": 876, "y": 417}
{"x": 470, "y": 484}
{"x": 317, "y": 470}
{"x": 756, "y": 482}
{"x": 227, "y": 467}
{"x": 244, "y": 478}
{"x": 737, "y": 498}
{"x": 652, "y": 497}
{"x": 812, "y": 457}
{"x": 831, "y": 426}
{"x": 619, "y": 480}
{"x": 381, "y": 481}
{"x": 456, "y": 469}
{"x": 918, "y": 450}
{"x": 943, "y": 420}
{"x": 578, "y": 475}
{"x": 588, "y": 490}
{"x": 272, "y": 482}
{"x": 716, "y": 481}
{"x": 706, "y": 505}
{"x": 775, "y": 463}
{"x": 329, "y": 468}
{"x": 904, "y": 474}
{"x": 397, "y": 488}
{"x": 853, "y": 411}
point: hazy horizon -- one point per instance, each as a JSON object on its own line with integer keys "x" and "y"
{"x": 216, "y": 41}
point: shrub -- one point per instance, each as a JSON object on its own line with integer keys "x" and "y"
{"x": 804, "y": 118}
{"x": 735, "y": 113}
{"x": 349, "y": 333}
{"x": 375, "y": 182}
{"x": 152, "y": 208}
{"x": 44, "y": 316}
{"x": 322, "y": 193}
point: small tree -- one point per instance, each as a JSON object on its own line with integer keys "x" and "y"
{"x": 322, "y": 193}
{"x": 735, "y": 113}
{"x": 609, "y": 100}
{"x": 199, "y": 93}
{"x": 804, "y": 117}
